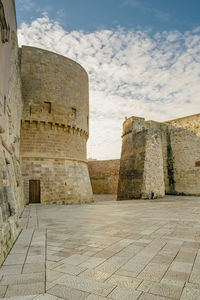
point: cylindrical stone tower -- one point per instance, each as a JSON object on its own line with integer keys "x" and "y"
{"x": 54, "y": 128}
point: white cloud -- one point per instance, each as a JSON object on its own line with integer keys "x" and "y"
{"x": 130, "y": 72}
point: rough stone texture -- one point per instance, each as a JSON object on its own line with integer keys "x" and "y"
{"x": 141, "y": 164}
{"x": 104, "y": 176}
{"x": 54, "y": 127}
{"x": 185, "y": 145}
{"x": 160, "y": 158}
{"x": 191, "y": 123}
{"x": 11, "y": 188}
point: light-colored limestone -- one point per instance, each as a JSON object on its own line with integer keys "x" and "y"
{"x": 55, "y": 126}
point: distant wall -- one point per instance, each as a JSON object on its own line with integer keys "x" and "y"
{"x": 104, "y": 176}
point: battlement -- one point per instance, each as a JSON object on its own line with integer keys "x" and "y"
{"x": 44, "y": 125}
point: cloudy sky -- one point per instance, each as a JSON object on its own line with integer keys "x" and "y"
{"x": 142, "y": 57}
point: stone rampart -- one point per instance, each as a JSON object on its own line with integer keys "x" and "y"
{"x": 160, "y": 158}
{"x": 104, "y": 175}
{"x": 141, "y": 164}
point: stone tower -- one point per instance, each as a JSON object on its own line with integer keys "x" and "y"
{"x": 141, "y": 165}
{"x": 54, "y": 128}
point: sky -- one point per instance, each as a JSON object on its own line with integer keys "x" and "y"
{"x": 142, "y": 57}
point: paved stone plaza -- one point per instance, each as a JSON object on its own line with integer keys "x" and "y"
{"x": 146, "y": 250}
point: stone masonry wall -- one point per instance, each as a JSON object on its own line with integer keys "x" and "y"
{"x": 183, "y": 150}
{"x": 153, "y": 176}
{"x": 186, "y": 156}
{"x": 170, "y": 162}
{"x": 132, "y": 165}
{"x": 141, "y": 166}
{"x": 11, "y": 187}
{"x": 55, "y": 126}
{"x": 104, "y": 176}
{"x": 191, "y": 123}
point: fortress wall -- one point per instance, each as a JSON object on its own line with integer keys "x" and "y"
{"x": 132, "y": 165}
{"x": 141, "y": 166}
{"x": 11, "y": 187}
{"x": 104, "y": 175}
{"x": 167, "y": 160}
{"x": 186, "y": 161}
{"x": 55, "y": 126}
{"x": 191, "y": 123}
{"x": 153, "y": 176}
{"x": 47, "y": 139}
{"x": 62, "y": 180}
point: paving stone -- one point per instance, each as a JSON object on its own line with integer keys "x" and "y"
{"x": 15, "y": 259}
{"x": 95, "y": 297}
{"x": 108, "y": 267}
{"x": 75, "y": 259}
{"x": 52, "y": 275}
{"x": 181, "y": 267}
{"x": 92, "y": 262}
{"x": 51, "y": 264}
{"x": 95, "y": 275}
{"x": 147, "y": 296}
{"x": 116, "y": 242}
{"x": 70, "y": 269}
{"x": 34, "y": 259}
{"x": 162, "y": 259}
{"x": 22, "y": 278}
{"x": 166, "y": 290}
{"x": 46, "y": 297}
{"x": 25, "y": 289}
{"x": 11, "y": 269}
{"x": 3, "y": 289}
{"x": 121, "y": 293}
{"x": 145, "y": 286}
{"x": 124, "y": 281}
{"x": 176, "y": 276}
{"x": 34, "y": 268}
{"x": 87, "y": 285}
{"x": 153, "y": 272}
{"x": 30, "y": 297}
{"x": 190, "y": 293}
{"x": 195, "y": 276}
{"x": 67, "y": 292}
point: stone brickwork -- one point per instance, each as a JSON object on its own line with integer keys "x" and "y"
{"x": 159, "y": 158}
{"x": 191, "y": 123}
{"x": 104, "y": 176}
{"x": 141, "y": 164}
{"x": 11, "y": 187}
{"x": 54, "y": 128}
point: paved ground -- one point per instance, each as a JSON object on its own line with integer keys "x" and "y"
{"x": 146, "y": 250}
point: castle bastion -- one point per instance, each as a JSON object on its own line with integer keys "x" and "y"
{"x": 54, "y": 129}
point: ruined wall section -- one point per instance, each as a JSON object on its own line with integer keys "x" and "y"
{"x": 104, "y": 176}
{"x": 55, "y": 126}
{"x": 11, "y": 187}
